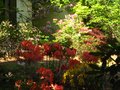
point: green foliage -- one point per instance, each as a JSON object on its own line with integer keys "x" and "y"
{"x": 9, "y": 37}
{"x": 98, "y": 13}
{"x": 102, "y": 14}
{"x": 82, "y": 11}
{"x": 69, "y": 33}
{"x": 32, "y": 33}
{"x": 60, "y": 3}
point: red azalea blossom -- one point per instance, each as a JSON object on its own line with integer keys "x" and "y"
{"x": 58, "y": 54}
{"x": 27, "y": 55}
{"x": 57, "y": 46}
{"x": 73, "y": 63}
{"x": 64, "y": 67}
{"x": 88, "y": 57}
{"x": 18, "y": 84}
{"x": 70, "y": 52}
{"x": 47, "y": 48}
{"x": 45, "y": 86}
{"x": 30, "y": 52}
{"x": 45, "y": 74}
{"x": 26, "y": 44}
{"x": 36, "y": 49}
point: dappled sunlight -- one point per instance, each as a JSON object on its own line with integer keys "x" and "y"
{"x": 59, "y": 45}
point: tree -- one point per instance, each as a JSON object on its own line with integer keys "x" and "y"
{"x": 103, "y": 14}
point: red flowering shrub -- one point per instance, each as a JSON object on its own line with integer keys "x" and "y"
{"x": 45, "y": 74}
{"x": 54, "y": 49}
{"x": 47, "y": 49}
{"x": 57, "y": 51}
{"x": 70, "y": 52}
{"x": 27, "y": 44}
{"x": 58, "y": 54}
{"x": 30, "y": 51}
{"x": 73, "y": 63}
{"x": 57, "y": 46}
{"x": 89, "y": 57}
{"x": 45, "y": 82}
{"x": 18, "y": 84}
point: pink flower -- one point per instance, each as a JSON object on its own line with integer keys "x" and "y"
{"x": 60, "y": 22}
{"x": 85, "y": 30}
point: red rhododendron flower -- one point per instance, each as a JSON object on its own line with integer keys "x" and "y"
{"x": 45, "y": 86}
{"x": 38, "y": 57}
{"x": 27, "y": 55}
{"x": 58, "y": 54}
{"x": 57, "y": 46}
{"x": 18, "y": 84}
{"x": 64, "y": 67}
{"x": 70, "y": 52}
{"x": 47, "y": 48}
{"x": 45, "y": 74}
{"x": 36, "y": 49}
{"x": 30, "y": 52}
{"x": 88, "y": 57}
{"x": 73, "y": 63}
{"x": 26, "y": 44}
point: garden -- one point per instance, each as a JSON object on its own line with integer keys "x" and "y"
{"x": 70, "y": 45}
